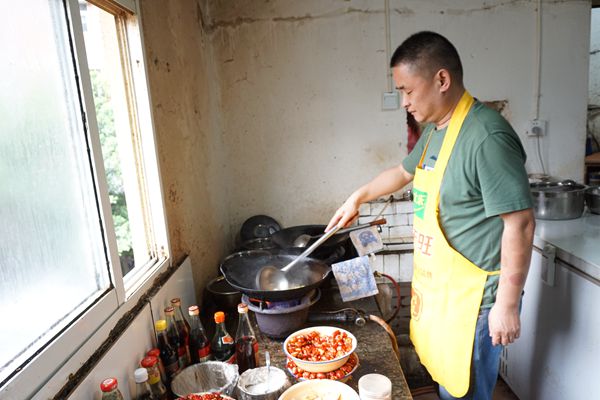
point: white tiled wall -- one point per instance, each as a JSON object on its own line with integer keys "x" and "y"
{"x": 396, "y": 259}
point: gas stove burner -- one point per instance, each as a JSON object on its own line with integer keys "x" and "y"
{"x": 279, "y": 319}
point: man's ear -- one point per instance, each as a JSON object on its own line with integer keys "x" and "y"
{"x": 443, "y": 80}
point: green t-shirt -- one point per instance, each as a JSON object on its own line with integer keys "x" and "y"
{"x": 485, "y": 177}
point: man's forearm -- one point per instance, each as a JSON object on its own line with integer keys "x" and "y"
{"x": 389, "y": 181}
{"x": 517, "y": 242}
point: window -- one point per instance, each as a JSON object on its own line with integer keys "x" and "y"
{"x": 83, "y": 220}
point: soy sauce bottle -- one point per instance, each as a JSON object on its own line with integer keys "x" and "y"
{"x": 177, "y": 338}
{"x": 246, "y": 345}
{"x": 199, "y": 343}
{"x": 222, "y": 344}
{"x": 168, "y": 353}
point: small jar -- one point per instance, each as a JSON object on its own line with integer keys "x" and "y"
{"x": 110, "y": 389}
{"x": 375, "y": 387}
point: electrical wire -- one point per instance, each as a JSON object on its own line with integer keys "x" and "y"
{"x": 538, "y": 78}
{"x": 388, "y": 46}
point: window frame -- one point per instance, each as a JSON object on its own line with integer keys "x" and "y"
{"x": 47, "y": 370}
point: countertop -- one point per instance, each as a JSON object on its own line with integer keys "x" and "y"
{"x": 577, "y": 241}
{"x": 374, "y": 348}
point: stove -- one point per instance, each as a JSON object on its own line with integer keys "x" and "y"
{"x": 277, "y": 319}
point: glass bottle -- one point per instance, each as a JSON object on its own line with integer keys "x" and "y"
{"x": 176, "y": 338}
{"x": 168, "y": 353}
{"x": 246, "y": 345}
{"x": 157, "y": 387}
{"x": 182, "y": 322}
{"x": 199, "y": 343}
{"x": 142, "y": 387}
{"x": 222, "y": 344}
{"x": 155, "y": 352}
{"x": 110, "y": 389}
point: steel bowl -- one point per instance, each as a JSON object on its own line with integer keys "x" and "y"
{"x": 592, "y": 199}
{"x": 558, "y": 200}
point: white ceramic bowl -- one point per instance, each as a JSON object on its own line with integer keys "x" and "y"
{"x": 320, "y": 366}
{"x": 337, "y": 390}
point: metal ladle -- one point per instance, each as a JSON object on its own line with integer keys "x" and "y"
{"x": 303, "y": 240}
{"x": 273, "y": 278}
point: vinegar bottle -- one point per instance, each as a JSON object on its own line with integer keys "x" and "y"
{"x": 246, "y": 345}
{"x": 168, "y": 353}
{"x": 222, "y": 344}
{"x": 199, "y": 343}
{"x": 177, "y": 338}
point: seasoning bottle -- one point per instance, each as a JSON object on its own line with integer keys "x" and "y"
{"x": 199, "y": 343}
{"x": 246, "y": 345}
{"x": 142, "y": 387}
{"x": 157, "y": 387}
{"x": 110, "y": 389}
{"x": 177, "y": 338}
{"x": 375, "y": 387}
{"x": 155, "y": 352}
{"x": 168, "y": 353}
{"x": 182, "y": 322}
{"x": 222, "y": 344}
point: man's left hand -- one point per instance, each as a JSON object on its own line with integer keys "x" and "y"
{"x": 504, "y": 324}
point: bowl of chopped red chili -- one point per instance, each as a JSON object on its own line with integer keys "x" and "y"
{"x": 320, "y": 348}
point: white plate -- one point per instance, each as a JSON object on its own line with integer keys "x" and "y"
{"x": 320, "y": 387}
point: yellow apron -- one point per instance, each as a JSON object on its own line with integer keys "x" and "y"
{"x": 447, "y": 288}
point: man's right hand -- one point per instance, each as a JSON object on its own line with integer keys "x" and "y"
{"x": 344, "y": 215}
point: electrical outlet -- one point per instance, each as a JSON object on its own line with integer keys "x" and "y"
{"x": 537, "y": 127}
{"x": 391, "y": 100}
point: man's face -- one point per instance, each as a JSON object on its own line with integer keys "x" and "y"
{"x": 421, "y": 96}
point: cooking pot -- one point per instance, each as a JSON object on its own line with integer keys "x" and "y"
{"x": 558, "y": 200}
{"x": 592, "y": 199}
{"x": 223, "y": 294}
{"x": 285, "y": 238}
{"x": 241, "y": 269}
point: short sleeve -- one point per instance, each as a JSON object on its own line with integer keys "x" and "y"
{"x": 411, "y": 161}
{"x": 502, "y": 176}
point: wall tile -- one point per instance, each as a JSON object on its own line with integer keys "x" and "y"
{"x": 404, "y": 207}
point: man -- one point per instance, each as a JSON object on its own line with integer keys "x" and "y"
{"x": 473, "y": 220}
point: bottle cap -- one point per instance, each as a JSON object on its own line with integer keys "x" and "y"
{"x": 193, "y": 310}
{"x": 242, "y": 308}
{"x": 375, "y": 386}
{"x": 140, "y": 375}
{"x": 109, "y": 384}
{"x": 219, "y": 317}
{"x": 160, "y": 325}
{"x": 169, "y": 311}
{"x": 149, "y": 361}
{"x": 176, "y": 302}
{"x": 153, "y": 352}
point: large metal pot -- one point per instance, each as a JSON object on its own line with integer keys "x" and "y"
{"x": 592, "y": 199}
{"x": 558, "y": 200}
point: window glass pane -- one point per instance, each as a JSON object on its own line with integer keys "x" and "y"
{"x": 115, "y": 119}
{"x": 52, "y": 259}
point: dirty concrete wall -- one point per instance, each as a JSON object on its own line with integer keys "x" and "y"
{"x": 594, "y": 75}
{"x": 191, "y": 153}
{"x": 301, "y": 86}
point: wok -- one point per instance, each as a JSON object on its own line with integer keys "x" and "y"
{"x": 241, "y": 269}
{"x": 285, "y": 238}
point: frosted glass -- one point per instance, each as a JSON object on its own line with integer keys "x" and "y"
{"x": 52, "y": 256}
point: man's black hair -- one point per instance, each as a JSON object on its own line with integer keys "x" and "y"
{"x": 428, "y": 52}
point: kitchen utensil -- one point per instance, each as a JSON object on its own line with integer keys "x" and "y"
{"x": 271, "y": 277}
{"x": 304, "y": 239}
{"x": 558, "y": 200}
{"x": 209, "y": 376}
{"x": 240, "y": 270}
{"x": 285, "y": 238}
{"x": 264, "y": 383}
{"x": 320, "y": 387}
{"x": 592, "y": 199}
{"x": 225, "y": 296}
{"x": 258, "y": 226}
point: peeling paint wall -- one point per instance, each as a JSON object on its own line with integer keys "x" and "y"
{"x": 301, "y": 86}
{"x": 185, "y": 99}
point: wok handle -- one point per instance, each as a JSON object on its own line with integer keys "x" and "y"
{"x": 380, "y": 221}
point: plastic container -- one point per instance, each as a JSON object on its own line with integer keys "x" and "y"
{"x": 375, "y": 387}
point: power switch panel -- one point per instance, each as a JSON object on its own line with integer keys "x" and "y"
{"x": 391, "y": 100}
{"x": 537, "y": 127}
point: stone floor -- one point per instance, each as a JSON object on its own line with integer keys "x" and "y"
{"x": 502, "y": 392}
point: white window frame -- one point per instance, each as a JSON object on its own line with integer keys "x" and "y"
{"x": 46, "y": 372}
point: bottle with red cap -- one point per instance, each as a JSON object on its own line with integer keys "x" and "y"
{"x": 168, "y": 353}
{"x": 155, "y": 352}
{"x": 177, "y": 338}
{"x": 222, "y": 344}
{"x": 199, "y": 343}
{"x": 158, "y": 389}
{"x": 110, "y": 389}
